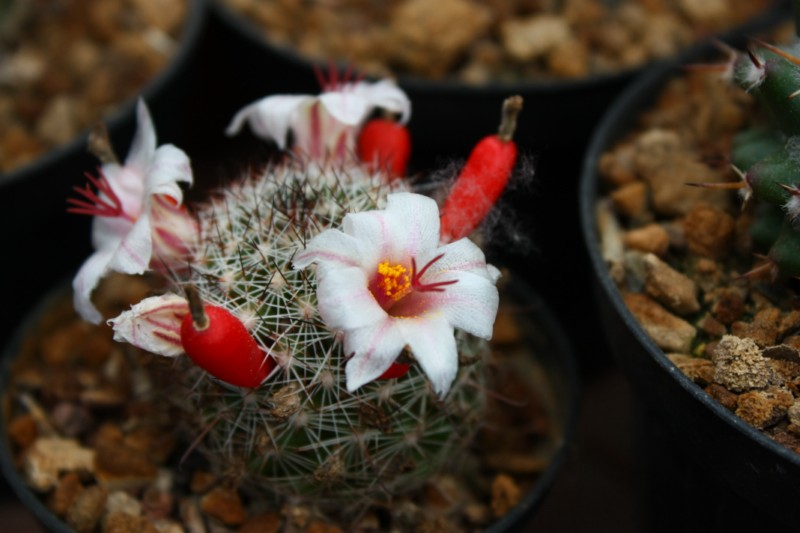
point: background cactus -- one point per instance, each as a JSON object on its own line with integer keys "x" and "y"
{"x": 302, "y": 434}
{"x": 768, "y": 156}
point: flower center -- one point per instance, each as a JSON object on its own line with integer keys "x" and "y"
{"x": 394, "y": 282}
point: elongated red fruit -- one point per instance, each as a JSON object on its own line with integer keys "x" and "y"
{"x": 397, "y": 370}
{"x": 483, "y": 178}
{"x": 385, "y": 144}
{"x": 223, "y": 347}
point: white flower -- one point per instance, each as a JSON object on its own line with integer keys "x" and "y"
{"x": 154, "y": 324}
{"x": 325, "y": 125}
{"x": 138, "y": 217}
{"x": 385, "y": 281}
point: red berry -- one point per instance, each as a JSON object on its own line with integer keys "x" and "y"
{"x": 483, "y": 178}
{"x": 225, "y": 349}
{"x": 397, "y": 370}
{"x": 385, "y": 144}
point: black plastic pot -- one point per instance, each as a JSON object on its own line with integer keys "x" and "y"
{"x": 39, "y": 239}
{"x": 554, "y": 368}
{"x": 713, "y": 470}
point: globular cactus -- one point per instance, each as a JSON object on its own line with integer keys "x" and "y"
{"x": 767, "y": 157}
{"x": 336, "y": 335}
{"x": 302, "y": 434}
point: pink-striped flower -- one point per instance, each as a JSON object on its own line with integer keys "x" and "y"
{"x": 139, "y": 222}
{"x": 387, "y": 283}
{"x": 323, "y": 127}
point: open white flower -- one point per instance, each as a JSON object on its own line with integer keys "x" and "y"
{"x": 322, "y": 126}
{"x": 139, "y": 221}
{"x": 385, "y": 281}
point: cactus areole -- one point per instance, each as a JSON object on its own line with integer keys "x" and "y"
{"x": 220, "y": 344}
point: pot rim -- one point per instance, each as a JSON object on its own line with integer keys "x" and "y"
{"x": 617, "y": 121}
{"x": 566, "y": 375}
{"x": 190, "y": 35}
{"x": 552, "y": 86}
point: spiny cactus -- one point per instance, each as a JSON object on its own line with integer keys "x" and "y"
{"x": 767, "y": 158}
{"x": 324, "y": 312}
{"x": 303, "y": 434}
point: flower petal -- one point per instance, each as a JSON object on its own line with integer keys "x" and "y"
{"x": 414, "y": 221}
{"x": 385, "y": 94}
{"x": 374, "y": 350}
{"x": 462, "y": 255}
{"x": 87, "y": 278}
{"x": 345, "y": 301}
{"x": 433, "y": 344}
{"x": 346, "y": 106}
{"x": 144, "y": 140}
{"x": 133, "y": 254}
{"x": 470, "y": 304}
{"x": 270, "y": 117}
{"x": 154, "y": 324}
{"x": 170, "y": 165}
{"x": 330, "y": 246}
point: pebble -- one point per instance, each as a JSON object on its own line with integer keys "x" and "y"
{"x": 726, "y": 398}
{"x": 225, "y": 505}
{"x": 710, "y": 232}
{"x": 763, "y": 408}
{"x": 85, "y": 512}
{"x": 763, "y": 329}
{"x": 630, "y": 199}
{"x": 727, "y": 304}
{"x": 22, "y": 431}
{"x": 699, "y": 370}
{"x": 739, "y": 365}
{"x": 65, "y": 493}
{"x": 47, "y": 457}
{"x": 669, "y": 287}
{"x": 121, "y": 522}
{"x": 506, "y": 494}
{"x": 533, "y": 37}
{"x": 669, "y": 332}
{"x": 652, "y": 238}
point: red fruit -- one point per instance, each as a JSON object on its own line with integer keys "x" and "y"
{"x": 225, "y": 349}
{"x": 397, "y": 370}
{"x": 385, "y": 144}
{"x": 483, "y": 178}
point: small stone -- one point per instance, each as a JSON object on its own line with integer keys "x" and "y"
{"x": 85, "y": 512}
{"x": 726, "y": 398}
{"x": 569, "y": 59}
{"x": 118, "y": 466}
{"x": 763, "y": 329}
{"x": 726, "y": 304}
{"x": 65, "y": 493}
{"x": 58, "y": 124}
{"x": 47, "y": 457}
{"x": 763, "y": 408}
{"x": 739, "y": 365}
{"x": 122, "y": 502}
{"x": 652, "y": 238}
{"x": 71, "y": 420}
{"x": 794, "y": 413}
{"x": 322, "y": 527}
{"x": 121, "y": 522}
{"x": 699, "y": 370}
{"x": 533, "y": 37}
{"x": 709, "y": 231}
{"x": 711, "y": 326}
{"x": 669, "y": 287}
{"x": 225, "y": 505}
{"x": 22, "y": 431}
{"x": 202, "y": 481}
{"x": 669, "y": 332}
{"x": 630, "y": 199}
{"x": 192, "y": 518}
{"x": 269, "y": 522}
{"x": 506, "y": 494}
{"x": 617, "y": 166}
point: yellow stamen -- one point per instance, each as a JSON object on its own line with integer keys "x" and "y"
{"x": 393, "y": 280}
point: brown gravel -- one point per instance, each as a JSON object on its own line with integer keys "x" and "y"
{"x": 740, "y": 344}
{"x": 494, "y": 40}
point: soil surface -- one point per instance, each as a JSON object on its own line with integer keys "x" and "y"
{"x": 494, "y": 40}
{"x": 684, "y": 257}
{"x": 65, "y": 64}
{"x": 96, "y": 442}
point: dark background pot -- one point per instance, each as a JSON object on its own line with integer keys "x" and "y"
{"x": 41, "y": 241}
{"x": 709, "y": 469}
{"x": 555, "y": 368}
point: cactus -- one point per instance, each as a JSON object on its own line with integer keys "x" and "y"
{"x": 293, "y": 386}
{"x": 767, "y": 158}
